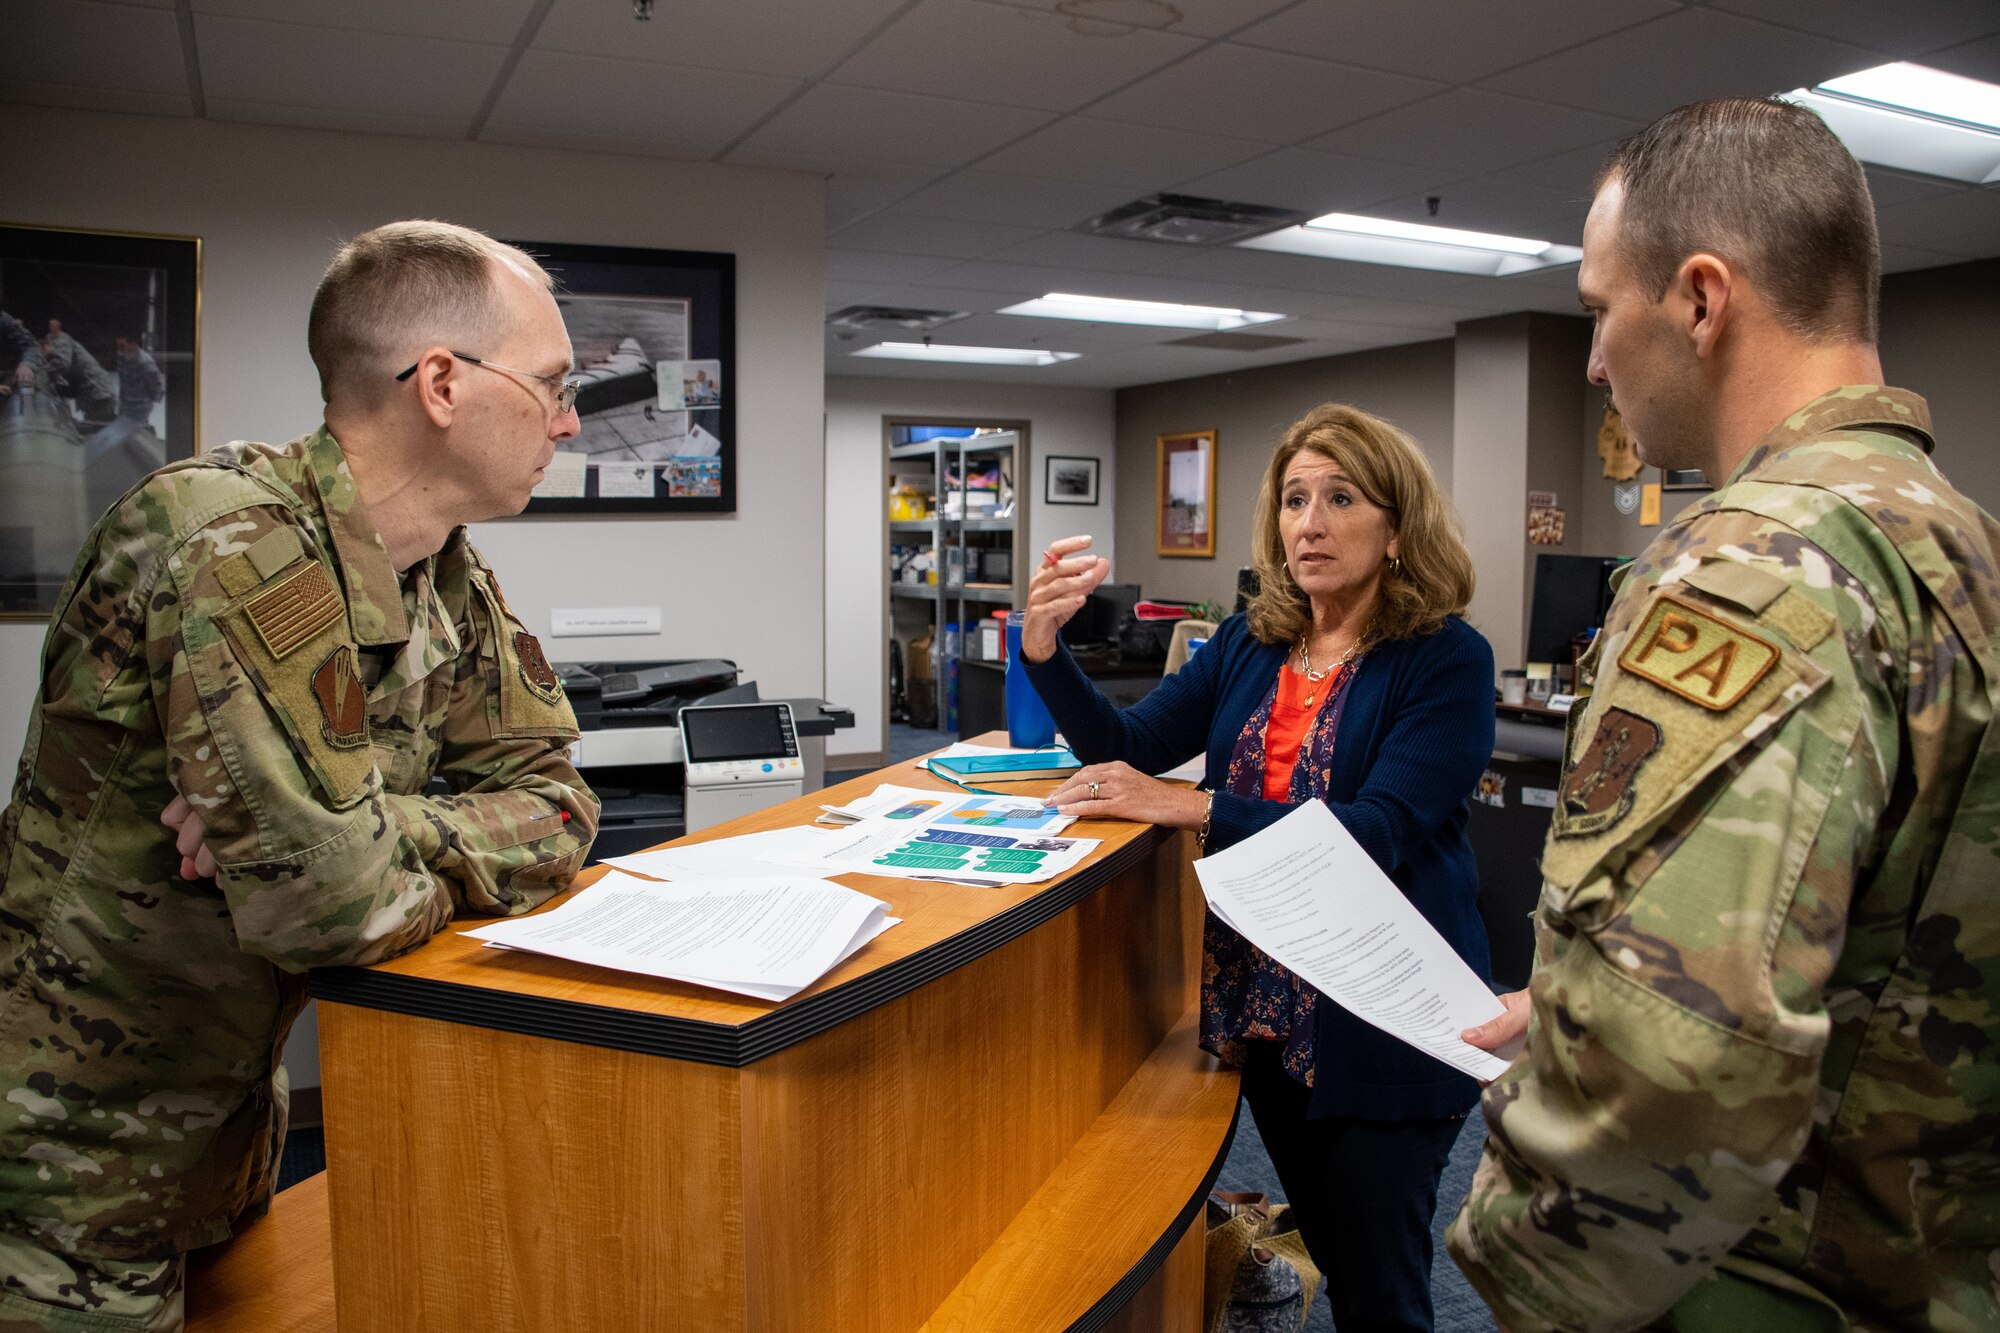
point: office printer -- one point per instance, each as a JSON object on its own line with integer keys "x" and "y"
{"x": 630, "y": 750}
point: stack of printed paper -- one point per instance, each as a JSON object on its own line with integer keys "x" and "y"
{"x": 765, "y": 938}
{"x": 985, "y": 840}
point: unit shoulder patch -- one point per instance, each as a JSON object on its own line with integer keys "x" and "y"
{"x": 343, "y": 703}
{"x": 1697, "y": 656}
{"x": 291, "y": 613}
{"x": 535, "y": 668}
{"x": 1598, "y": 792}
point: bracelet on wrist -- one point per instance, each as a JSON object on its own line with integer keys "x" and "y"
{"x": 1207, "y": 814}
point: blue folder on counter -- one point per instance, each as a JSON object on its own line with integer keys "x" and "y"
{"x": 1054, "y": 761}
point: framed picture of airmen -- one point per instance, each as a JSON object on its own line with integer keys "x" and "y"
{"x": 654, "y": 337}
{"x": 98, "y": 339}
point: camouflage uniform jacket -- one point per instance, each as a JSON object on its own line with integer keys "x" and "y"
{"x": 234, "y": 631}
{"x": 1761, "y": 1089}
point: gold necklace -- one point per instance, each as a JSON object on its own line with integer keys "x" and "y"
{"x": 1313, "y": 678}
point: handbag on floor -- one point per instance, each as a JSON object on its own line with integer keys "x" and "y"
{"x": 1259, "y": 1278}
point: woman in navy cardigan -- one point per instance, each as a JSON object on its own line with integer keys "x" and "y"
{"x": 1356, "y": 636}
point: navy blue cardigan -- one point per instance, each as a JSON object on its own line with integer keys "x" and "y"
{"x": 1415, "y": 735}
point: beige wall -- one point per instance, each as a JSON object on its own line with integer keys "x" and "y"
{"x": 1070, "y": 422}
{"x": 1941, "y": 338}
{"x": 269, "y": 205}
{"x": 1249, "y": 410}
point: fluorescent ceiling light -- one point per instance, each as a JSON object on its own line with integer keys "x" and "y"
{"x": 1931, "y": 92}
{"x": 1112, "y": 310}
{"x": 980, "y": 356}
{"x": 1914, "y": 119}
{"x": 1368, "y": 240}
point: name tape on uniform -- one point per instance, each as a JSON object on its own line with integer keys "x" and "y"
{"x": 1702, "y": 658}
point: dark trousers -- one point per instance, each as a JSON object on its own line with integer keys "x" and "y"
{"x": 1363, "y": 1192}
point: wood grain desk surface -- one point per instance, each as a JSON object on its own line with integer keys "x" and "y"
{"x": 932, "y": 915}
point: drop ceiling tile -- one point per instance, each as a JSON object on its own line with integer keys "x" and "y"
{"x": 1026, "y": 57}
{"x": 1569, "y": 174}
{"x": 30, "y": 92}
{"x": 1110, "y": 20}
{"x": 496, "y": 21}
{"x": 1895, "y": 187}
{"x": 854, "y": 193}
{"x": 627, "y": 101}
{"x": 1975, "y": 60}
{"x": 1899, "y": 30}
{"x": 617, "y": 140}
{"x": 1068, "y": 249}
{"x": 864, "y": 266}
{"x": 1098, "y": 152}
{"x": 80, "y": 44}
{"x": 1643, "y": 72}
{"x": 357, "y": 120}
{"x": 1965, "y": 223}
{"x": 896, "y": 127}
{"x": 1445, "y": 39}
{"x": 1466, "y": 131}
{"x": 1310, "y": 182}
{"x": 1267, "y": 96}
{"x": 898, "y": 233}
{"x": 1034, "y": 279}
{"x": 293, "y": 64}
{"x": 991, "y": 196}
{"x": 797, "y": 39}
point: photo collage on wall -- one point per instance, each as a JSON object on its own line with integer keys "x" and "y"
{"x": 653, "y": 336}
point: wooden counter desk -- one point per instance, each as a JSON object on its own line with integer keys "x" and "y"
{"x": 993, "y": 1116}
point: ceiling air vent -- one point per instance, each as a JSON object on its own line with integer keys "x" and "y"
{"x": 1186, "y": 219}
{"x": 891, "y": 317}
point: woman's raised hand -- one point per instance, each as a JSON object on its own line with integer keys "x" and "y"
{"x": 1062, "y": 583}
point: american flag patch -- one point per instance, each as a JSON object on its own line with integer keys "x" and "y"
{"x": 290, "y": 614}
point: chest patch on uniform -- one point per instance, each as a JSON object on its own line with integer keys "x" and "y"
{"x": 1703, "y": 659}
{"x": 1597, "y": 793}
{"x": 535, "y": 668}
{"x": 343, "y": 703}
{"x": 288, "y": 615}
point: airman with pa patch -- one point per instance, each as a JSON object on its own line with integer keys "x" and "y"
{"x": 1760, "y": 1088}
{"x": 264, "y": 660}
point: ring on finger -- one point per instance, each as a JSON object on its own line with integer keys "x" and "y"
{"x": 1093, "y": 791}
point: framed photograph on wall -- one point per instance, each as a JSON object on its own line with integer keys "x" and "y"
{"x": 1185, "y": 494}
{"x": 654, "y": 337}
{"x": 1069, "y": 481}
{"x": 99, "y": 335}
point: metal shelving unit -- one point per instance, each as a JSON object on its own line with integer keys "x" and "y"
{"x": 945, "y": 458}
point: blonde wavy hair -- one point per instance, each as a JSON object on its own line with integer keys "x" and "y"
{"x": 1386, "y": 466}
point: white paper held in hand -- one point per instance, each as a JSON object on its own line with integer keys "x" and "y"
{"x": 1305, "y": 893}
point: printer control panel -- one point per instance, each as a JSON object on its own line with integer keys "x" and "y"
{"x": 740, "y": 743}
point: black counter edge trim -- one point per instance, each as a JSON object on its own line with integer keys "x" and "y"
{"x": 1121, "y": 1293}
{"x": 714, "y": 1043}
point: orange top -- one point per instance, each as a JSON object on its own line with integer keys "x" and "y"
{"x": 1291, "y": 718}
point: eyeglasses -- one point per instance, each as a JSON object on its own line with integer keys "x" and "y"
{"x": 566, "y": 390}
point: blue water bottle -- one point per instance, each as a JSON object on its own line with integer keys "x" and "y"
{"x": 1029, "y": 725}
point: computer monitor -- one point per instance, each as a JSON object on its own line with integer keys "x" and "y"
{"x": 1572, "y": 593}
{"x": 1096, "y": 621}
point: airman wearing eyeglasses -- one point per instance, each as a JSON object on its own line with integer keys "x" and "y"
{"x": 264, "y": 658}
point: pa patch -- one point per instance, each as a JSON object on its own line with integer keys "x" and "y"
{"x": 1598, "y": 792}
{"x": 1702, "y": 658}
{"x": 343, "y": 704}
{"x": 535, "y": 668}
{"x": 289, "y": 615}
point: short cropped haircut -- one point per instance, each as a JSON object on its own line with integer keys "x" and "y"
{"x": 391, "y": 292}
{"x": 1764, "y": 185}
{"x": 1386, "y": 466}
